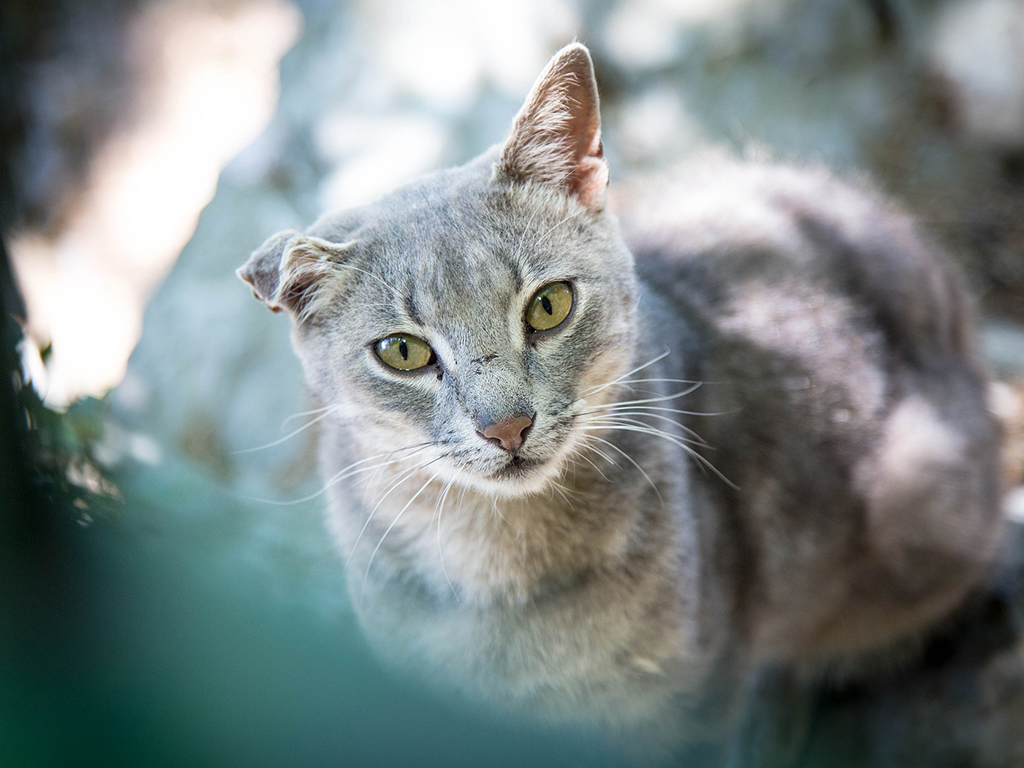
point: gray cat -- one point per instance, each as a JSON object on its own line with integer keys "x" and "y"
{"x": 600, "y": 471}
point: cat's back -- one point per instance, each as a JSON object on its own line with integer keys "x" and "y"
{"x": 836, "y": 349}
{"x": 718, "y": 227}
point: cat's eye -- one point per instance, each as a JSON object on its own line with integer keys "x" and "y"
{"x": 404, "y": 353}
{"x": 549, "y": 307}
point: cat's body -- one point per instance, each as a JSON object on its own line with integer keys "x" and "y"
{"x": 837, "y": 350}
{"x": 521, "y": 513}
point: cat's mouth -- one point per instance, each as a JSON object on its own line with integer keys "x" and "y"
{"x": 517, "y": 468}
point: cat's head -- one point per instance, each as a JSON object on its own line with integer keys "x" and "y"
{"x": 470, "y": 317}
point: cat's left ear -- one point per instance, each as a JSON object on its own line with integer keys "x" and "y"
{"x": 556, "y": 137}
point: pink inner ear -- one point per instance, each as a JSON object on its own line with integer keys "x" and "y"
{"x": 591, "y": 176}
{"x": 591, "y": 181}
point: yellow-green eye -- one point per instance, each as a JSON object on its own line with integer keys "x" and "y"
{"x": 549, "y": 307}
{"x": 404, "y": 353}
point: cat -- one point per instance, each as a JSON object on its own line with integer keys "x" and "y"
{"x": 601, "y": 467}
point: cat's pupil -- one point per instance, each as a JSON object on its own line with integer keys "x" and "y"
{"x": 546, "y": 303}
{"x": 403, "y": 349}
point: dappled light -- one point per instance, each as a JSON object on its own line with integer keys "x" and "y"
{"x": 206, "y": 83}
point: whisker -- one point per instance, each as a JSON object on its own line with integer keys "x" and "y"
{"x": 437, "y": 503}
{"x": 311, "y": 412}
{"x": 588, "y": 440}
{"x": 659, "y": 399}
{"x": 328, "y": 411}
{"x": 587, "y": 459}
{"x": 371, "y": 481}
{"x": 406, "y": 474}
{"x": 672, "y": 439}
{"x": 669, "y": 381}
{"x": 376, "y": 549}
{"x": 526, "y": 229}
{"x": 650, "y": 391}
{"x": 497, "y": 512}
{"x": 562, "y": 492}
{"x": 613, "y": 408}
{"x": 343, "y": 474}
{"x": 440, "y": 549}
{"x": 623, "y": 377}
{"x": 641, "y": 403}
{"x": 380, "y": 280}
{"x": 310, "y": 308}
{"x": 625, "y": 417}
{"x": 572, "y": 215}
{"x": 610, "y": 422}
{"x": 347, "y": 471}
{"x": 631, "y": 461}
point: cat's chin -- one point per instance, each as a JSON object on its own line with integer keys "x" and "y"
{"x": 519, "y": 477}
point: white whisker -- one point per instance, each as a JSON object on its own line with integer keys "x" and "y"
{"x": 611, "y": 425}
{"x": 668, "y": 381}
{"x": 405, "y": 475}
{"x": 380, "y": 280}
{"x": 311, "y": 412}
{"x": 350, "y": 470}
{"x": 495, "y": 512}
{"x": 376, "y": 549}
{"x": 572, "y": 215}
{"x": 591, "y": 463}
{"x": 440, "y": 549}
{"x": 328, "y": 411}
{"x": 343, "y": 474}
{"x": 625, "y": 416}
{"x": 631, "y": 461}
{"x": 623, "y": 377}
{"x": 648, "y": 390}
{"x": 639, "y": 425}
{"x": 587, "y": 441}
{"x": 562, "y": 491}
{"x": 659, "y": 399}
{"x": 612, "y": 408}
{"x": 526, "y": 229}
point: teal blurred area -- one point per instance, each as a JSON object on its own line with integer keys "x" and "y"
{"x": 127, "y": 643}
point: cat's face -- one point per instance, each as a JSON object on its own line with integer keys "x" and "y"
{"x": 471, "y": 315}
{"x": 465, "y": 323}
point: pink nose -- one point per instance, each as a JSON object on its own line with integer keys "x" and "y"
{"x": 508, "y": 433}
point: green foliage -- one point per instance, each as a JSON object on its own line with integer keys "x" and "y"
{"x": 60, "y": 448}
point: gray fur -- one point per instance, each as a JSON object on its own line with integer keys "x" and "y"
{"x": 619, "y": 580}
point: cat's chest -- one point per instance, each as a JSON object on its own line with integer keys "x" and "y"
{"x": 539, "y": 605}
{"x": 523, "y": 623}
{"x": 479, "y": 549}
{"x": 574, "y": 655}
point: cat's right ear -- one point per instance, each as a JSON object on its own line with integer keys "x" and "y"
{"x": 289, "y": 269}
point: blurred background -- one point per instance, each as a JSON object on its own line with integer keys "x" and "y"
{"x": 167, "y": 595}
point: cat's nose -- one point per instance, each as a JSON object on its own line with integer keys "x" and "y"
{"x": 508, "y": 433}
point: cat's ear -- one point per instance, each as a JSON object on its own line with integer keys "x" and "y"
{"x": 556, "y": 137}
{"x": 289, "y": 269}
